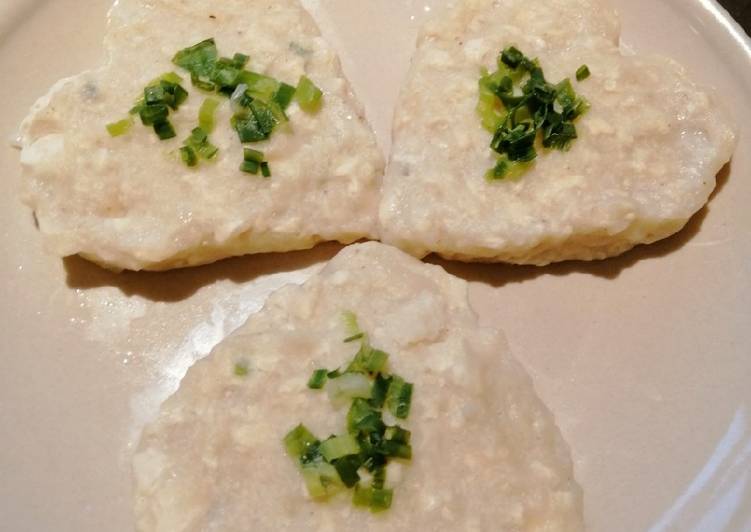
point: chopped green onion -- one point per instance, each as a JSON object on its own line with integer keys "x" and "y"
{"x": 347, "y": 467}
{"x": 240, "y": 60}
{"x": 363, "y": 417}
{"x": 308, "y": 95}
{"x": 376, "y": 499}
{"x": 512, "y": 57}
{"x": 250, "y": 167}
{"x": 347, "y": 387}
{"x": 202, "y": 83}
{"x": 379, "y": 390}
{"x": 284, "y": 95}
{"x": 542, "y": 110}
{"x": 339, "y": 446}
{"x": 170, "y": 77}
{"x": 241, "y": 368}
{"x": 151, "y": 114}
{"x": 321, "y": 479}
{"x": 198, "y": 59}
{"x": 206, "y": 114}
{"x": 350, "y": 323}
{"x": 582, "y": 73}
{"x": 318, "y": 379}
{"x": 353, "y": 337}
{"x": 265, "y": 169}
{"x": 164, "y": 130}
{"x": 399, "y": 397}
{"x": 189, "y": 157}
{"x": 369, "y": 360}
{"x": 298, "y": 440}
{"x": 368, "y": 444}
{"x": 198, "y": 142}
{"x": 121, "y": 127}
{"x": 250, "y": 154}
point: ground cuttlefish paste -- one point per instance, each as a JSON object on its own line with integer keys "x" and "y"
{"x": 129, "y": 202}
{"x": 486, "y": 452}
{"x": 645, "y": 160}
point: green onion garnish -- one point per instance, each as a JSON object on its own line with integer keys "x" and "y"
{"x": 354, "y": 337}
{"x": 250, "y": 154}
{"x": 299, "y": 440}
{"x": 284, "y": 95}
{"x": 258, "y": 101}
{"x": 308, "y": 95}
{"x": 198, "y": 143}
{"x": 518, "y": 105}
{"x": 164, "y": 129}
{"x": 582, "y": 73}
{"x": 265, "y": 169}
{"x": 333, "y": 464}
{"x": 318, "y": 379}
{"x": 399, "y": 397}
{"x": 250, "y": 167}
{"x": 206, "y": 114}
{"x": 121, "y": 127}
{"x": 339, "y": 446}
{"x": 241, "y": 368}
{"x": 189, "y": 157}
{"x": 198, "y": 59}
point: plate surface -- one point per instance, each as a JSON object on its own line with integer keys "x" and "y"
{"x": 645, "y": 359}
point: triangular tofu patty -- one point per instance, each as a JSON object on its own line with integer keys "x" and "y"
{"x": 644, "y": 162}
{"x": 129, "y": 202}
{"x": 485, "y": 451}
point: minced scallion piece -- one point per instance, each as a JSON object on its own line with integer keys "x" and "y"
{"x": 347, "y": 467}
{"x": 377, "y": 500}
{"x": 121, "y": 127}
{"x": 206, "y": 114}
{"x": 368, "y": 444}
{"x": 353, "y": 337}
{"x": 318, "y": 379}
{"x": 582, "y": 73}
{"x": 189, "y": 157}
{"x": 265, "y": 169}
{"x": 250, "y": 154}
{"x": 164, "y": 130}
{"x": 198, "y": 59}
{"x": 250, "y": 167}
{"x": 198, "y": 143}
{"x": 321, "y": 479}
{"x": 347, "y": 387}
{"x": 308, "y": 95}
{"x": 521, "y": 108}
{"x": 399, "y": 397}
{"x": 240, "y": 60}
{"x": 284, "y": 95}
{"x": 339, "y": 446}
{"x": 241, "y": 368}
{"x": 299, "y": 440}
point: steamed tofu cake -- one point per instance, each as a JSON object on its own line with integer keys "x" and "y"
{"x": 485, "y": 452}
{"x": 130, "y": 202}
{"x": 644, "y": 160}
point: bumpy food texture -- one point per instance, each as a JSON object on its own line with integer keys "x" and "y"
{"x": 486, "y": 452}
{"x": 129, "y": 203}
{"x": 644, "y": 163}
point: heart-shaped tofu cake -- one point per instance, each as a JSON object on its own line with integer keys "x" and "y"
{"x": 152, "y": 193}
{"x": 244, "y": 444}
{"x": 623, "y": 153}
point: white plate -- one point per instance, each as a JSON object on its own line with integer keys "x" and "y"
{"x": 645, "y": 359}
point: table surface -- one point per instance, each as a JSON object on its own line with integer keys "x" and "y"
{"x": 741, "y": 11}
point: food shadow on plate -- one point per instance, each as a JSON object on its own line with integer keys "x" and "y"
{"x": 177, "y": 285}
{"x": 498, "y": 275}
